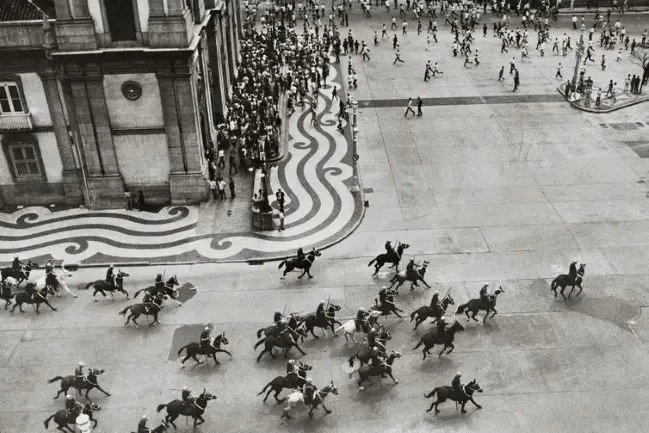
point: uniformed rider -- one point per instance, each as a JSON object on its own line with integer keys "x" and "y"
{"x": 50, "y": 276}
{"x": 456, "y": 383}
{"x": 441, "y": 325}
{"x": 321, "y": 313}
{"x": 389, "y": 249}
{"x": 17, "y": 265}
{"x": 572, "y": 272}
{"x": 435, "y": 300}
{"x": 372, "y": 341}
{"x": 159, "y": 284}
{"x": 377, "y": 356}
{"x": 411, "y": 271}
{"x": 206, "y": 337}
{"x": 484, "y": 292}
{"x": 291, "y": 367}
{"x": 361, "y": 320}
{"x": 110, "y": 276}
{"x": 186, "y": 396}
{"x": 300, "y": 254}
{"x": 277, "y": 316}
{"x": 79, "y": 375}
{"x": 385, "y": 297}
{"x": 308, "y": 391}
{"x": 141, "y": 426}
{"x": 72, "y": 407}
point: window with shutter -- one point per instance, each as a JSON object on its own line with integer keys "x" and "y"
{"x": 120, "y": 15}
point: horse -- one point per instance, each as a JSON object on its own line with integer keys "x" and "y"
{"x": 434, "y": 337}
{"x": 297, "y": 397}
{"x": 311, "y": 320}
{"x": 196, "y": 410}
{"x": 293, "y": 320}
{"x": 284, "y": 341}
{"x": 349, "y": 327}
{"x": 385, "y": 367}
{"x": 394, "y": 258}
{"x": 475, "y": 305}
{"x": 195, "y": 348}
{"x": 434, "y": 311}
{"x": 449, "y": 393}
{"x": 32, "y": 296}
{"x": 89, "y": 382}
{"x": 102, "y": 286}
{"x": 304, "y": 264}
{"x": 167, "y": 290}
{"x": 403, "y": 276}
{"x": 60, "y": 273}
{"x": 21, "y": 275}
{"x": 62, "y": 418}
{"x": 148, "y": 309}
{"x": 365, "y": 354}
{"x": 564, "y": 280}
{"x": 294, "y": 380}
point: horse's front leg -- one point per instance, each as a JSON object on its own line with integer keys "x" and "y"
{"x": 100, "y": 389}
{"x": 298, "y": 348}
{"x": 224, "y": 351}
{"x": 495, "y": 312}
{"x": 326, "y": 409}
{"x": 198, "y": 420}
{"x": 392, "y": 377}
{"x": 308, "y": 273}
{"x": 476, "y": 404}
{"x": 424, "y": 281}
{"x": 302, "y": 274}
{"x": 452, "y": 346}
{"x": 48, "y": 304}
{"x": 463, "y": 404}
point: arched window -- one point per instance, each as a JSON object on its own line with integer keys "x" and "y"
{"x": 120, "y": 15}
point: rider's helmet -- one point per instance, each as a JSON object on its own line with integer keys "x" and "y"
{"x": 291, "y": 361}
{"x": 459, "y": 374}
{"x": 82, "y": 364}
{"x": 436, "y": 292}
{"x": 375, "y": 349}
{"x": 207, "y": 328}
{"x": 384, "y": 287}
{"x": 110, "y": 266}
{"x": 373, "y": 330}
{"x": 361, "y": 309}
{"x": 144, "y": 417}
{"x": 185, "y": 388}
{"x": 277, "y": 311}
{"x": 284, "y": 321}
{"x": 389, "y": 243}
{"x": 68, "y": 397}
{"x": 321, "y": 302}
{"x": 309, "y": 380}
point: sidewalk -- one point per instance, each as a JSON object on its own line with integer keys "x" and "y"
{"x": 607, "y": 104}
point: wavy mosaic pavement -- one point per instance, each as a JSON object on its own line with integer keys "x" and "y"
{"x": 316, "y": 175}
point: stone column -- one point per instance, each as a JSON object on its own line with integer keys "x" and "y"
{"x": 71, "y": 178}
{"x": 80, "y": 9}
{"x": 156, "y": 8}
{"x": 176, "y": 7}
{"x": 224, "y": 59}
{"x": 216, "y": 79}
{"x": 62, "y": 9}
{"x": 86, "y": 128}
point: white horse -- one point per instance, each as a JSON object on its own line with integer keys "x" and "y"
{"x": 349, "y": 329}
{"x": 61, "y": 274}
{"x": 296, "y": 398}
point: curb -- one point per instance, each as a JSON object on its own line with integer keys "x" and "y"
{"x": 622, "y": 105}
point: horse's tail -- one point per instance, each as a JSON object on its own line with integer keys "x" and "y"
{"x": 137, "y": 293}
{"x": 182, "y": 348}
{"x": 259, "y": 343}
{"x": 123, "y": 312}
{"x": 88, "y": 285}
{"x": 46, "y": 423}
{"x": 460, "y": 309}
{"x": 55, "y": 379}
{"x": 412, "y": 315}
{"x": 351, "y": 360}
{"x": 370, "y": 263}
{"x": 432, "y": 393}
{"x": 282, "y": 263}
{"x": 421, "y": 341}
{"x": 554, "y": 284}
{"x": 259, "y": 332}
{"x": 160, "y": 407}
{"x": 265, "y": 388}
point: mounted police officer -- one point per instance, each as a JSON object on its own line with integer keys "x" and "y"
{"x": 72, "y": 407}
{"x": 186, "y": 396}
{"x": 484, "y": 293}
{"x": 372, "y": 341}
{"x": 291, "y": 368}
{"x": 277, "y": 316}
{"x": 308, "y": 391}
{"x": 300, "y": 254}
{"x": 50, "y": 276}
{"x": 206, "y": 338}
{"x": 456, "y": 383}
{"x": 377, "y": 357}
{"x": 17, "y": 266}
{"x": 435, "y": 301}
{"x": 321, "y": 313}
{"x": 361, "y": 320}
{"x": 110, "y": 276}
{"x": 385, "y": 297}
{"x": 159, "y": 284}
{"x": 411, "y": 271}
{"x": 141, "y": 426}
{"x": 441, "y": 325}
{"x": 389, "y": 250}
{"x": 79, "y": 375}
{"x": 572, "y": 272}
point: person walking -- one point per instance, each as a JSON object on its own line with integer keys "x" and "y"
{"x": 516, "y": 80}
{"x": 397, "y": 57}
{"x": 419, "y": 104}
{"x": 280, "y": 216}
{"x": 409, "y": 108}
{"x": 558, "y": 74}
{"x": 213, "y": 190}
{"x": 231, "y": 187}
{"x": 501, "y": 73}
{"x": 221, "y": 187}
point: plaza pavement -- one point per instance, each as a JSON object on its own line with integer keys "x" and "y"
{"x": 507, "y": 193}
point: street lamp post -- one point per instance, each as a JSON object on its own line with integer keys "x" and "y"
{"x": 578, "y": 55}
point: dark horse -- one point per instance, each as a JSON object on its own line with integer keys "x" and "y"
{"x": 196, "y": 410}
{"x": 168, "y": 289}
{"x": 39, "y": 297}
{"x": 475, "y": 305}
{"x": 88, "y": 383}
{"x": 394, "y": 258}
{"x": 385, "y": 308}
{"x": 434, "y": 337}
{"x": 564, "y": 280}
{"x": 423, "y": 313}
{"x": 304, "y": 264}
{"x": 365, "y": 354}
{"x": 21, "y": 275}
{"x": 195, "y": 348}
{"x": 311, "y": 320}
{"x": 449, "y": 393}
{"x": 284, "y": 341}
{"x": 417, "y": 275}
{"x": 101, "y": 286}
{"x": 63, "y": 419}
{"x": 294, "y": 380}
{"x": 385, "y": 367}
{"x": 148, "y": 309}
{"x": 293, "y": 320}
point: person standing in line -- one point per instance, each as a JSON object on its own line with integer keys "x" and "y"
{"x": 409, "y": 108}
{"x": 213, "y": 189}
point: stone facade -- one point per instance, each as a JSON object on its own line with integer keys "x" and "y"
{"x": 115, "y": 114}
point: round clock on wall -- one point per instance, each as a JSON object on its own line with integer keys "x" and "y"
{"x": 131, "y": 90}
